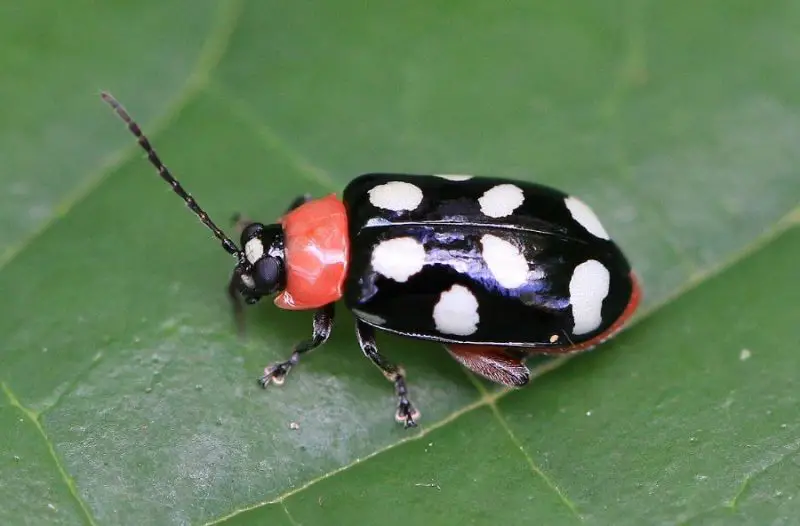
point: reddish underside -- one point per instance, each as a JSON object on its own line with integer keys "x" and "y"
{"x": 316, "y": 252}
{"x": 466, "y": 350}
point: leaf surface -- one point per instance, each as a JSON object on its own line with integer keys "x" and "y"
{"x": 127, "y": 396}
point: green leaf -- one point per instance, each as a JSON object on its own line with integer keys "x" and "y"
{"x": 127, "y": 396}
{"x": 55, "y": 58}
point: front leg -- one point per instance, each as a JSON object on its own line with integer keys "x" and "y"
{"x": 298, "y": 201}
{"x": 241, "y": 222}
{"x": 406, "y": 413}
{"x": 236, "y": 300}
{"x": 323, "y": 324}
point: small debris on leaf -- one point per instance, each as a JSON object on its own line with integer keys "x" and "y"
{"x": 745, "y": 354}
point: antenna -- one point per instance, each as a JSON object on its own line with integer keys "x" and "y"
{"x": 229, "y": 246}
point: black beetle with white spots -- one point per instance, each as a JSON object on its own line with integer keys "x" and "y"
{"x": 496, "y": 270}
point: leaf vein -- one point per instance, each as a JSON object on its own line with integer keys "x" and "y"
{"x": 482, "y": 402}
{"x": 72, "y": 385}
{"x": 534, "y": 467}
{"x": 34, "y": 418}
{"x": 537, "y": 471}
{"x": 732, "y": 505}
{"x": 289, "y": 515}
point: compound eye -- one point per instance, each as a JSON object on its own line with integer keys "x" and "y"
{"x": 268, "y": 273}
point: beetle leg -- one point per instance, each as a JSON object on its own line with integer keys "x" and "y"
{"x": 406, "y": 414}
{"x": 236, "y": 300}
{"x": 236, "y": 294}
{"x": 323, "y": 324}
{"x": 299, "y": 200}
{"x": 241, "y": 222}
{"x": 504, "y": 365}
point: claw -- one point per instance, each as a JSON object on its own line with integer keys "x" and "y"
{"x": 264, "y": 381}
{"x": 407, "y": 415}
{"x": 275, "y": 374}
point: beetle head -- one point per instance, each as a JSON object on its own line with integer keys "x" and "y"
{"x": 262, "y": 271}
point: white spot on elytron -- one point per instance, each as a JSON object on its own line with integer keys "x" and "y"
{"x": 554, "y": 338}
{"x": 254, "y": 250}
{"x": 396, "y": 196}
{"x": 455, "y": 177}
{"x": 248, "y": 281}
{"x": 373, "y": 319}
{"x": 585, "y": 217}
{"x": 398, "y": 258}
{"x": 456, "y": 312}
{"x": 502, "y": 200}
{"x": 587, "y": 290}
{"x": 505, "y": 261}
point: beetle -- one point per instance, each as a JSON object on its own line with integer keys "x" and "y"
{"x": 496, "y": 270}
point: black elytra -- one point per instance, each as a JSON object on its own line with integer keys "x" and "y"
{"x": 495, "y": 269}
{"x": 451, "y": 226}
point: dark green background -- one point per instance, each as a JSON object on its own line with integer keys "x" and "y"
{"x": 127, "y": 397}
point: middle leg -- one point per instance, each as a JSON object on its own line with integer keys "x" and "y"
{"x": 406, "y": 414}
